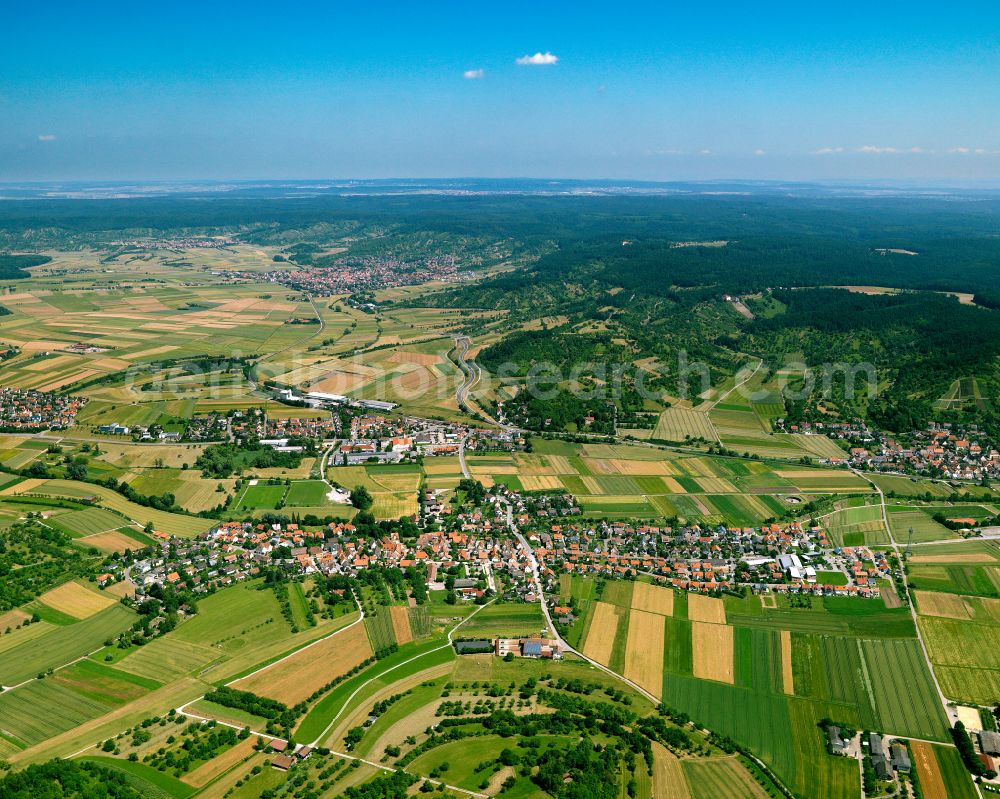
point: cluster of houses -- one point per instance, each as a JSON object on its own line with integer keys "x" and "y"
{"x": 210, "y": 427}
{"x": 943, "y": 450}
{"x": 24, "y": 409}
{"x": 237, "y": 551}
{"x": 888, "y": 758}
{"x": 771, "y": 558}
{"x": 353, "y": 274}
{"x": 938, "y": 451}
{"x": 235, "y": 424}
{"x": 153, "y": 432}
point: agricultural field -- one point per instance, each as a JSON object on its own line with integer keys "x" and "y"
{"x": 941, "y": 772}
{"x": 783, "y": 667}
{"x": 162, "y": 521}
{"x": 962, "y": 635}
{"x": 77, "y": 600}
{"x": 903, "y": 520}
{"x": 294, "y": 678}
{"x": 58, "y": 644}
{"x": 762, "y": 674}
{"x": 721, "y": 778}
{"x": 856, "y": 525}
{"x": 970, "y": 580}
{"x": 627, "y": 481}
{"x": 393, "y": 488}
{"x": 85, "y": 690}
{"x": 678, "y": 424}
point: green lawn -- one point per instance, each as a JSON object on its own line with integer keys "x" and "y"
{"x": 307, "y": 493}
{"x": 261, "y": 496}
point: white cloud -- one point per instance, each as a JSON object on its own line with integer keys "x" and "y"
{"x": 759, "y": 151}
{"x": 828, "y": 150}
{"x": 473, "y": 74}
{"x": 46, "y": 137}
{"x": 538, "y": 59}
{"x": 705, "y": 152}
{"x": 872, "y": 149}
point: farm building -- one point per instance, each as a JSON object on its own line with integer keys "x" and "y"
{"x": 473, "y": 647}
{"x": 528, "y": 648}
{"x": 837, "y": 744}
{"x": 989, "y": 742}
{"x": 880, "y": 758}
{"x": 900, "y": 758}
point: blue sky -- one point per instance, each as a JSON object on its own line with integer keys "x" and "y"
{"x": 661, "y": 91}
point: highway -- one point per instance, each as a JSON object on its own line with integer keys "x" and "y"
{"x": 473, "y": 374}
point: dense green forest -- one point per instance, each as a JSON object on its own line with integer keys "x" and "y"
{"x": 636, "y": 279}
{"x": 919, "y": 342}
{"x": 12, "y": 267}
{"x": 66, "y": 779}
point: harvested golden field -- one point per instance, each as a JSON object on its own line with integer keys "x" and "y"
{"x": 926, "y": 764}
{"x": 706, "y": 609}
{"x": 668, "y": 776}
{"x": 12, "y": 618}
{"x": 208, "y": 771}
{"x": 540, "y": 482}
{"x": 671, "y": 484}
{"x": 341, "y": 382}
{"x": 110, "y": 542}
{"x": 787, "y": 675}
{"x": 653, "y": 599}
{"x": 601, "y": 635}
{"x": 296, "y": 677}
{"x": 76, "y": 600}
{"x": 417, "y": 358}
{"x": 401, "y": 624}
{"x": 124, "y": 588}
{"x": 644, "y": 651}
{"x": 23, "y": 487}
{"x": 560, "y": 464}
{"x": 629, "y": 467}
{"x": 66, "y": 380}
{"x": 965, "y": 558}
{"x": 948, "y": 606}
{"x": 712, "y": 646}
{"x": 715, "y": 485}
